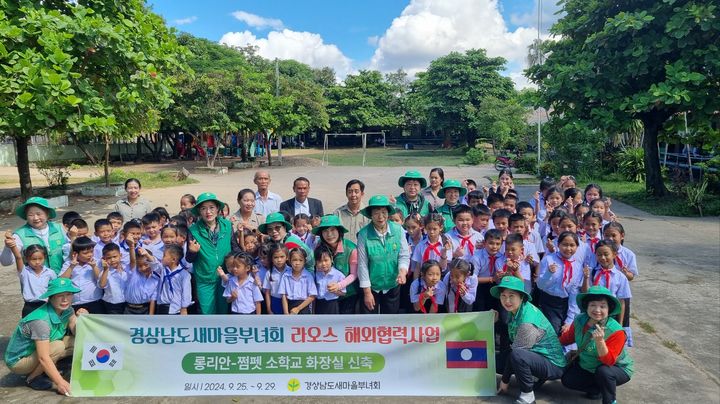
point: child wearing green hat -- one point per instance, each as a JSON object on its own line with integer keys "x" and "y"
{"x": 40, "y": 339}
{"x": 38, "y": 229}
{"x": 452, "y": 191}
{"x": 411, "y": 201}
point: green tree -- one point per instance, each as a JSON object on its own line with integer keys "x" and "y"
{"x": 618, "y": 61}
{"x": 503, "y": 122}
{"x": 363, "y": 102}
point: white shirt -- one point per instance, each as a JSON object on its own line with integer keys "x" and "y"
{"x": 302, "y": 207}
{"x": 267, "y": 206}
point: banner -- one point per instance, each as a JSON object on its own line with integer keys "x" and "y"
{"x": 366, "y": 355}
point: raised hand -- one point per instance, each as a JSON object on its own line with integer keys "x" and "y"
{"x": 194, "y": 246}
{"x": 552, "y": 268}
{"x": 10, "y": 240}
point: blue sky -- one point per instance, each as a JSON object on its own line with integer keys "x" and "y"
{"x": 352, "y": 35}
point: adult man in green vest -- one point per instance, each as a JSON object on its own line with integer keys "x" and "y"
{"x": 411, "y": 201}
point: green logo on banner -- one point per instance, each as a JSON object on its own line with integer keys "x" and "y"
{"x": 294, "y": 385}
{"x": 282, "y": 362}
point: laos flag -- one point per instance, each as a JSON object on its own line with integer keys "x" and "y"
{"x": 466, "y": 354}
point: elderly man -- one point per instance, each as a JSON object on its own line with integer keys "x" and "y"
{"x": 301, "y": 203}
{"x": 266, "y": 202}
{"x": 349, "y": 214}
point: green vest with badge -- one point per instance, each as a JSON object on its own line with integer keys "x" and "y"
{"x": 56, "y": 240}
{"x": 21, "y": 346}
{"x": 382, "y": 256}
{"x": 589, "y": 356}
{"x": 549, "y": 346}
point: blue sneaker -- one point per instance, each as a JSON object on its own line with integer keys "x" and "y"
{"x": 41, "y": 382}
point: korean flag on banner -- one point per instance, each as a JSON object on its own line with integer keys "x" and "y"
{"x": 101, "y": 356}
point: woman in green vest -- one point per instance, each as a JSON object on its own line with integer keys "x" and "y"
{"x": 602, "y": 363}
{"x": 535, "y": 354}
{"x": 411, "y": 201}
{"x": 452, "y": 191}
{"x": 40, "y": 339}
{"x": 383, "y": 258}
{"x": 38, "y": 229}
{"x": 277, "y": 228}
{"x": 332, "y": 235}
{"x": 210, "y": 242}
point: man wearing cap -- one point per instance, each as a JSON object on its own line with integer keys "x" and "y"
{"x": 266, "y": 202}
{"x": 451, "y": 191}
{"x": 383, "y": 258}
{"x": 349, "y": 213}
{"x": 301, "y": 203}
{"x": 40, "y": 339}
{"x": 277, "y": 229}
{"x": 535, "y": 354}
{"x": 411, "y": 201}
{"x": 38, "y": 229}
{"x": 210, "y": 242}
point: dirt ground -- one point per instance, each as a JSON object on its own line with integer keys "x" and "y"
{"x": 675, "y": 298}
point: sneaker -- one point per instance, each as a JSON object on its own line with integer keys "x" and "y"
{"x": 41, "y": 382}
{"x": 521, "y": 401}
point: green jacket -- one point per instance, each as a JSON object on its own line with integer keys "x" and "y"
{"x": 21, "y": 346}
{"x": 404, "y": 206}
{"x": 211, "y": 255}
{"x": 447, "y": 214}
{"x": 342, "y": 263}
{"x": 589, "y": 356}
{"x": 56, "y": 238}
{"x": 383, "y": 258}
{"x": 549, "y": 346}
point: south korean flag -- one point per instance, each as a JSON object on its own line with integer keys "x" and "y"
{"x": 102, "y": 356}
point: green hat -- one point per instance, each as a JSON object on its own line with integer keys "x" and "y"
{"x": 204, "y": 197}
{"x": 276, "y": 217}
{"x": 59, "y": 285}
{"x": 378, "y": 201}
{"x": 35, "y": 200}
{"x": 512, "y": 283}
{"x": 329, "y": 221}
{"x": 447, "y": 184}
{"x": 412, "y": 175}
{"x": 599, "y": 291}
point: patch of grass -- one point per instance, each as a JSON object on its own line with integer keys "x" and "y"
{"x": 161, "y": 179}
{"x": 672, "y": 205}
{"x": 672, "y": 345}
{"x": 647, "y": 327}
{"x": 392, "y": 157}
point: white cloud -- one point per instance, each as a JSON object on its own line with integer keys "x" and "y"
{"x": 185, "y": 21}
{"x": 373, "y": 40}
{"x": 305, "y": 47}
{"x": 428, "y": 29}
{"x": 257, "y": 22}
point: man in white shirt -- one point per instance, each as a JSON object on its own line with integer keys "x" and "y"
{"x": 266, "y": 202}
{"x": 301, "y": 203}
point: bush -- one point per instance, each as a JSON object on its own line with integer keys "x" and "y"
{"x": 695, "y": 195}
{"x": 475, "y": 156}
{"x": 526, "y": 164}
{"x": 549, "y": 169}
{"x": 57, "y": 173}
{"x": 632, "y": 164}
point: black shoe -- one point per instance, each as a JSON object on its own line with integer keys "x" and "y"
{"x": 41, "y": 382}
{"x": 538, "y": 383}
{"x": 593, "y": 395}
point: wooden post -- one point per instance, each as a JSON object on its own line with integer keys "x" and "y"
{"x": 364, "y": 142}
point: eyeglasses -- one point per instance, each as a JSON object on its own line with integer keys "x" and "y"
{"x": 274, "y": 228}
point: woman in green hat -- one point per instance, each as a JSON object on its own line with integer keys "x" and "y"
{"x": 383, "y": 258}
{"x": 411, "y": 201}
{"x": 602, "y": 363}
{"x": 452, "y": 191}
{"x": 210, "y": 241}
{"x": 38, "y": 229}
{"x": 332, "y": 235}
{"x": 40, "y": 339}
{"x": 277, "y": 228}
{"x": 535, "y": 354}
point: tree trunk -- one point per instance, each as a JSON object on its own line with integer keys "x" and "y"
{"x": 138, "y": 149}
{"x": 106, "y": 163}
{"x": 23, "y": 166}
{"x": 93, "y": 160}
{"x": 268, "y": 147}
{"x": 653, "y": 176}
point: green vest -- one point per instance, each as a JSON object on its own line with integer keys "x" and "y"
{"x": 447, "y": 214}
{"x": 342, "y": 263}
{"x": 549, "y": 346}
{"x": 589, "y": 357}
{"x": 21, "y": 346}
{"x": 56, "y": 238}
{"x": 382, "y": 257}
{"x": 210, "y": 255}
{"x": 404, "y": 206}
{"x": 310, "y": 261}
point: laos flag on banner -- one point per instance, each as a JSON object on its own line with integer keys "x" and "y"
{"x": 466, "y": 354}
{"x": 99, "y": 356}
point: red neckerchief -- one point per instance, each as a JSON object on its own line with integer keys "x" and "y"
{"x": 603, "y": 272}
{"x": 491, "y": 264}
{"x": 567, "y": 271}
{"x": 432, "y": 299}
{"x": 457, "y": 299}
{"x": 619, "y": 262}
{"x": 593, "y": 241}
{"x": 466, "y": 241}
{"x": 430, "y": 248}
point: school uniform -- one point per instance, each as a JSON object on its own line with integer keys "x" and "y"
{"x": 309, "y": 239}
{"x": 90, "y": 294}
{"x": 327, "y": 302}
{"x": 114, "y": 291}
{"x": 419, "y": 286}
{"x": 141, "y": 289}
{"x": 98, "y": 250}
{"x": 296, "y": 290}
{"x": 271, "y": 282}
{"x": 248, "y": 294}
{"x": 455, "y": 302}
{"x": 558, "y": 290}
{"x": 485, "y": 266}
{"x": 467, "y": 243}
{"x": 537, "y": 240}
{"x": 125, "y": 254}
{"x": 591, "y": 241}
{"x": 32, "y": 286}
{"x": 525, "y": 271}
{"x": 156, "y": 248}
{"x": 173, "y": 291}
{"x": 426, "y": 250}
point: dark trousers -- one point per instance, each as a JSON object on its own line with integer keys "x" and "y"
{"x": 525, "y": 364}
{"x": 143, "y": 308}
{"x": 114, "y": 308}
{"x": 29, "y": 307}
{"x": 162, "y": 309}
{"x": 327, "y": 306}
{"x": 604, "y": 381}
{"x": 295, "y": 303}
{"x": 348, "y": 304}
{"x": 555, "y": 309}
{"x": 483, "y": 300}
{"x": 405, "y": 304}
{"x": 385, "y": 303}
{"x": 95, "y": 307}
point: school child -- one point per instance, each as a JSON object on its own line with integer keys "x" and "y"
{"x": 500, "y": 219}
{"x": 427, "y": 293}
{"x": 131, "y": 234}
{"x": 103, "y": 236}
{"x": 581, "y": 210}
{"x": 539, "y": 199}
{"x": 297, "y": 287}
{"x": 559, "y": 281}
{"x": 463, "y": 238}
{"x": 187, "y": 202}
{"x": 328, "y": 280}
{"x": 414, "y": 231}
{"x": 169, "y": 235}
{"x": 592, "y": 192}
{"x": 573, "y": 197}
{"x": 84, "y": 272}
{"x": 68, "y": 218}
{"x": 78, "y": 228}
{"x": 397, "y": 217}
{"x": 452, "y": 191}
{"x": 33, "y": 273}
{"x": 601, "y": 207}
{"x": 553, "y": 199}
{"x": 151, "y": 240}
{"x": 626, "y": 262}
{"x": 606, "y": 274}
{"x": 261, "y": 264}
{"x": 495, "y": 202}
{"x": 301, "y": 224}
{"x": 411, "y": 201}
{"x": 178, "y": 220}
{"x": 163, "y": 214}
{"x": 592, "y": 224}
{"x": 143, "y": 280}
{"x": 510, "y": 202}
{"x": 435, "y": 246}
{"x": 481, "y": 219}
{"x": 331, "y": 234}
{"x": 486, "y": 262}
{"x": 515, "y": 260}
{"x": 174, "y": 295}
{"x": 461, "y": 286}
{"x": 570, "y": 223}
{"x": 116, "y": 221}
{"x": 278, "y": 255}
{"x": 532, "y": 234}
{"x": 474, "y": 198}
{"x": 113, "y": 280}
{"x": 241, "y": 291}
{"x": 551, "y": 230}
